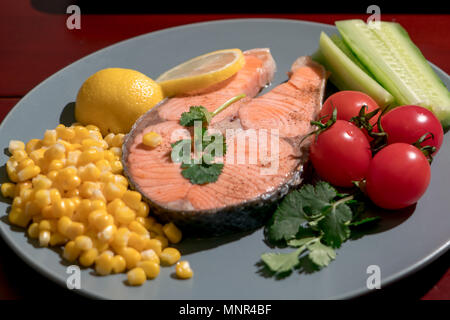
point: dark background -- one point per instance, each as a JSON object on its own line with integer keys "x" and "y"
{"x": 243, "y": 6}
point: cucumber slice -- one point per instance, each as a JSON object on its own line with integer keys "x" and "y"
{"x": 337, "y": 40}
{"x": 345, "y": 73}
{"x": 397, "y": 64}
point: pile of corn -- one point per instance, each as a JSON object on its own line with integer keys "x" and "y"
{"x": 68, "y": 190}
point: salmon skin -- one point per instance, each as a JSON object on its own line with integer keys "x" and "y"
{"x": 264, "y": 158}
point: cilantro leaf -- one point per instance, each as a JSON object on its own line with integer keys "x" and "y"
{"x": 202, "y": 173}
{"x": 300, "y": 242}
{"x": 282, "y": 262}
{"x": 195, "y": 113}
{"x": 316, "y": 220}
{"x": 335, "y": 225}
{"x": 364, "y": 221}
{"x": 288, "y": 218}
{"x": 315, "y": 199}
{"x": 320, "y": 254}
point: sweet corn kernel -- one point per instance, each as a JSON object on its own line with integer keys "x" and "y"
{"x": 87, "y": 143}
{"x": 107, "y": 234}
{"x": 81, "y": 133}
{"x": 136, "y": 277}
{"x": 55, "y": 152}
{"x": 28, "y": 172}
{"x": 88, "y": 257}
{"x": 113, "y": 191}
{"x": 143, "y": 210}
{"x": 124, "y": 215}
{"x": 12, "y": 171}
{"x": 44, "y": 238}
{"x": 8, "y": 190}
{"x": 31, "y": 208}
{"x": 114, "y": 205}
{"x": 116, "y": 151}
{"x": 117, "y": 140}
{"x": 65, "y": 133}
{"x": 57, "y": 239}
{"x": 104, "y": 264}
{"x": 88, "y": 189}
{"x": 145, "y": 222}
{"x": 154, "y": 245}
{"x": 136, "y": 241}
{"x": 33, "y": 230}
{"x": 131, "y": 256}
{"x": 157, "y": 228}
{"x": 41, "y": 182}
{"x": 37, "y": 155}
{"x": 55, "y": 195}
{"x": 49, "y": 137}
{"x": 152, "y": 139}
{"x": 116, "y": 167}
{"x": 83, "y": 242}
{"x": 15, "y": 145}
{"x": 183, "y": 270}
{"x": 172, "y": 232}
{"x": 90, "y": 155}
{"x": 119, "y": 264}
{"x": 100, "y": 219}
{"x": 109, "y": 139}
{"x": 18, "y": 217}
{"x": 74, "y": 230}
{"x": 32, "y": 145}
{"x": 67, "y": 178}
{"x": 163, "y": 240}
{"x": 56, "y": 165}
{"x": 73, "y": 194}
{"x": 150, "y": 268}
{"x": 44, "y": 225}
{"x": 90, "y": 172}
{"x": 138, "y": 228}
{"x": 73, "y": 157}
{"x": 121, "y": 237}
{"x": 150, "y": 255}
{"x": 132, "y": 199}
{"x": 24, "y": 164}
{"x": 169, "y": 256}
{"x": 42, "y": 198}
{"x": 20, "y": 155}
{"x": 63, "y": 225}
{"x": 71, "y": 252}
{"x": 103, "y": 165}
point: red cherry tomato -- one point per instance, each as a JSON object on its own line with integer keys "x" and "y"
{"x": 408, "y": 123}
{"x": 398, "y": 176}
{"x": 341, "y": 154}
{"x": 348, "y": 105}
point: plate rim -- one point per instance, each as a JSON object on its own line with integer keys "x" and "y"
{"x": 422, "y": 263}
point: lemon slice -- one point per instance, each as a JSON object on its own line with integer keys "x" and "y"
{"x": 201, "y": 72}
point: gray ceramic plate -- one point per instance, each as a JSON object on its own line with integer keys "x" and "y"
{"x": 225, "y": 268}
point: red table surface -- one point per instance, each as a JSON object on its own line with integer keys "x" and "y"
{"x": 34, "y": 45}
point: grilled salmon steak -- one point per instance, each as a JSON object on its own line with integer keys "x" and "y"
{"x": 264, "y": 156}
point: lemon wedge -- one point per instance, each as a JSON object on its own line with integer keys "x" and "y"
{"x": 201, "y": 72}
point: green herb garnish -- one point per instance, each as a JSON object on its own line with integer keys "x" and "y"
{"x": 201, "y": 168}
{"x": 315, "y": 220}
{"x": 200, "y": 113}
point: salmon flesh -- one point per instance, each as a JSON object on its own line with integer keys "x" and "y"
{"x": 264, "y": 158}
